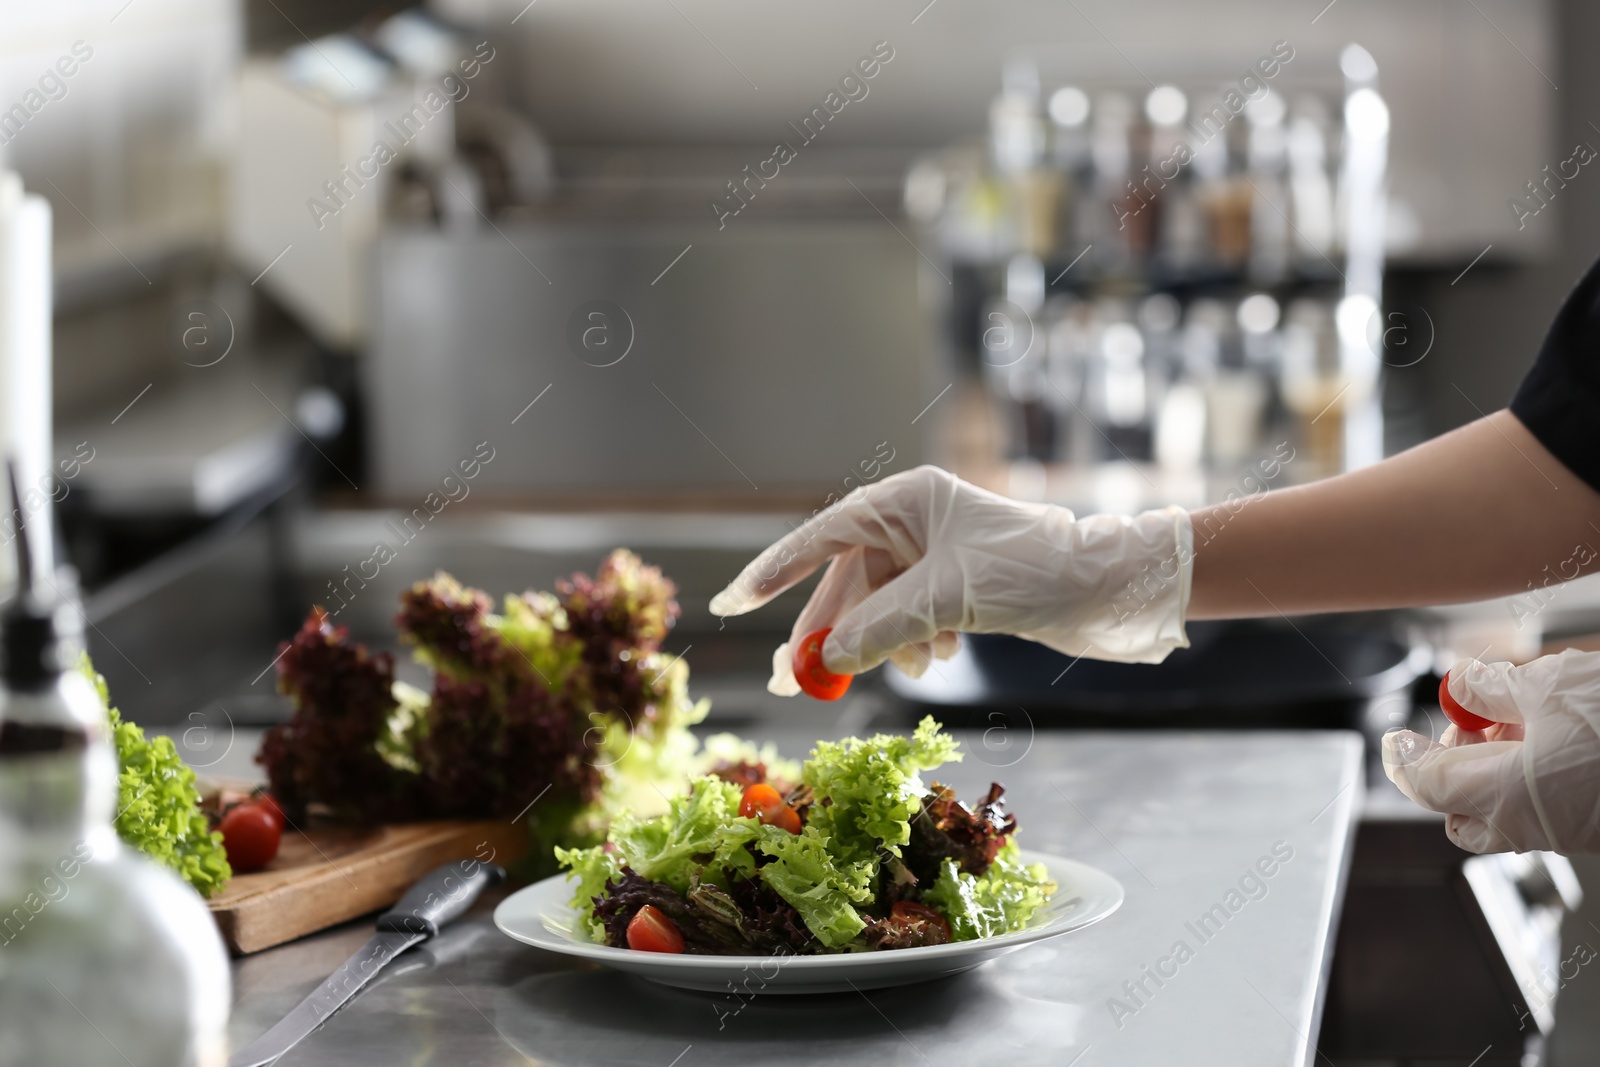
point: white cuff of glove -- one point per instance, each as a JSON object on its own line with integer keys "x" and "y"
{"x": 1138, "y": 571}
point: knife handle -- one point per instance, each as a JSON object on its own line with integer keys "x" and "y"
{"x": 442, "y": 896}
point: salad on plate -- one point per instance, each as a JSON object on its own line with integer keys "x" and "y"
{"x": 851, "y": 851}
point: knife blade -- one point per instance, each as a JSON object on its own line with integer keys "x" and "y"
{"x": 443, "y": 895}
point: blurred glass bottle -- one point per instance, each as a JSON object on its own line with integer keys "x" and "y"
{"x": 1072, "y": 158}
{"x": 1118, "y": 387}
{"x": 1225, "y": 194}
{"x": 1069, "y": 340}
{"x": 1314, "y": 386}
{"x": 1236, "y": 397}
{"x": 1259, "y": 317}
{"x": 1267, "y": 162}
{"x": 1017, "y": 138}
{"x": 1177, "y": 399}
{"x": 1180, "y": 221}
{"x": 1311, "y": 191}
{"x": 1120, "y": 228}
{"x": 106, "y": 958}
{"x": 1013, "y": 361}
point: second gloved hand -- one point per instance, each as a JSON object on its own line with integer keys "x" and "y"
{"x": 1531, "y": 781}
{"x": 923, "y": 555}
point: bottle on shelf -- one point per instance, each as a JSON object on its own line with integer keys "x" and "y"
{"x": 105, "y": 957}
{"x": 1267, "y": 163}
{"x": 1118, "y": 384}
{"x": 1071, "y": 156}
{"x": 1225, "y": 195}
{"x": 1018, "y": 136}
{"x": 1013, "y": 360}
{"x": 1179, "y": 222}
{"x": 1070, "y": 329}
{"x": 1311, "y": 191}
{"x": 1314, "y": 386}
{"x": 1119, "y": 226}
{"x": 1178, "y": 402}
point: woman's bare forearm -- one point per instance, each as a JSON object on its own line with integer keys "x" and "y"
{"x": 1479, "y": 512}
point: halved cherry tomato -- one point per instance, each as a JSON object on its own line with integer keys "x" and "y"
{"x": 1457, "y": 714}
{"x": 250, "y": 836}
{"x": 761, "y": 801}
{"x": 651, "y": 931}
{"x": 907, "y": 910}
{"x": 815, "y": 679}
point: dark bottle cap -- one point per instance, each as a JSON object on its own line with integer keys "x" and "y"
{"x": 38, "y": 633}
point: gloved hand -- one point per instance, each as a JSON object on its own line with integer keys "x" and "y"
{"x": 1531, "y": 781}
{"x": 922, "y": 555}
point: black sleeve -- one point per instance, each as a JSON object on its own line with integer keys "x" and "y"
{"x": 1559, "y": 400}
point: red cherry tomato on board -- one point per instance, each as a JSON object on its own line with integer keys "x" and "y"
{"x": 1456, "y": 713}
{"x": 815, "y": 679}
{"x": 907, "y": 910}
{"x": 250, "y": 836}
{"x": 651, "y": 931}
{"x": 761, "y": 801}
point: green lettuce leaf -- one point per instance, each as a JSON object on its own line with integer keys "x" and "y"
{"x": 821, "y": 888}
{"x": 588, "y": 870}
{"x": 868, "y": 790}
{"x": 672, "y": 847}
{"x": 648, "y": 762}
{"x": 1002, "y": 900}
{"x": 158, "y": 803}
{"x": 536, "y": 625}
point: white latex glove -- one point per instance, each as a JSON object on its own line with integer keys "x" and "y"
{"x": 1531, "y": 781}
{"x": 922, "y": 555}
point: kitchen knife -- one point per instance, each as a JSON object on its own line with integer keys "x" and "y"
{"x": 442, "y": 896}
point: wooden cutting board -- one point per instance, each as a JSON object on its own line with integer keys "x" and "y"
{"x": 325, "y": 876}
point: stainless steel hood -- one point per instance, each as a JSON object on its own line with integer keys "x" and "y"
{"x": 596, "y": 357}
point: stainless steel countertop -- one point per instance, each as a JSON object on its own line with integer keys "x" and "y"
{"x": 1179, "y": 818}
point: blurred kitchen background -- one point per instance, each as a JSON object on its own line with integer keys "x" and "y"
{"x": 674, "y": 275}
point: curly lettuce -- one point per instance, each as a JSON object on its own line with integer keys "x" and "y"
{"x": 867, "y": 791}
{"x": 535, "y": 625}
{"x": 1002, "y": 899}
{"x": 589, "y": 869}
{"x": 158, "y": 804}
{"x": 649, "y": 761}
{"x": 672, "y": 847}
{"x": 823, "y": 889}
{"x": 558, "y": 711}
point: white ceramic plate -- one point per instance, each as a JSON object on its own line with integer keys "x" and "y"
{"x": 540, "y": 915}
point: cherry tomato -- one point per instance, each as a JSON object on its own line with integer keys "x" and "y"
{"x": 815, "y": 679}
{"x": 250, "y": 835}
{"x": 907, "y": 910}
{"x": 785, "y": 818}
{"x": 761, "y": 801}
{"x": 651, "y": 931}
{"x": 269, "y": 803}
{"x": 1457, "y": 714}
